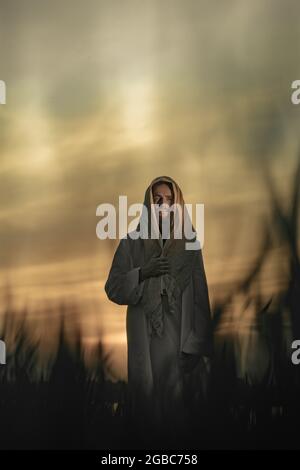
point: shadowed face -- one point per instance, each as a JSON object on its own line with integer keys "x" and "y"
{"x": 163, "y": 196}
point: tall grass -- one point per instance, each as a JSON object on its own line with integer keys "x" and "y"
{"x": 251, "y": 400}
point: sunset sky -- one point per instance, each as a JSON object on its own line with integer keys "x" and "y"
{"x": 103, "y": 96}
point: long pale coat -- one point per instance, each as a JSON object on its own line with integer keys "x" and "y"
{"x": 123, "y": 287}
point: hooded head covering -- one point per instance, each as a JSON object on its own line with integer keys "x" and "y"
{"x": 181, "y": 260}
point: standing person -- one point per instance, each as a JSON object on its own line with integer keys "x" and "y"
{"x": 168, "y": 321}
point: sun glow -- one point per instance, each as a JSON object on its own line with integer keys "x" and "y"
{"x": 137, "y": 111}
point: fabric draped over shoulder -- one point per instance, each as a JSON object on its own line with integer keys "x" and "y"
{"x": 181, "y": 260}
{"x": 187, "y": 276}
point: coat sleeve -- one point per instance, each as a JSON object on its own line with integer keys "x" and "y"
{"x": 203, "y": 318}
{"x": 122, "y": 285}
{"x": 201, "y": 338}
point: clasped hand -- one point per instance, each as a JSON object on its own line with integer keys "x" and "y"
{"x": 155, "y": 267}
